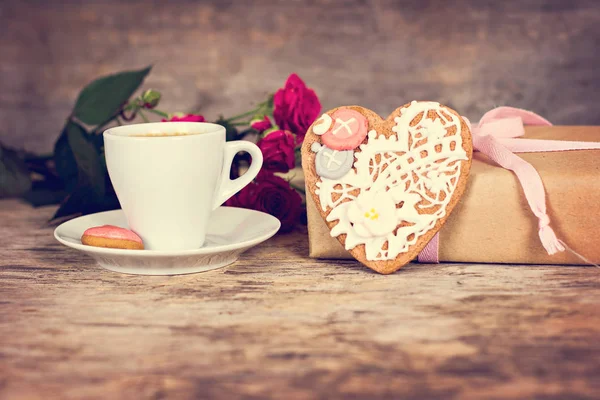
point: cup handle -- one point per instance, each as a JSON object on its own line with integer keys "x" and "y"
{"x": 228, "y": 187}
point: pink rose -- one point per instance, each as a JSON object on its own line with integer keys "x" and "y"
{"x": 278, "y": 151}
{"x": 185, "y": 118}
{"x": 272, "y": 195}
{"x": 296, "y": 107}
{"x": 261, "y": 125}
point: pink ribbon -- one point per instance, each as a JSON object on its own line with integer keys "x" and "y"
{"x": 496, "y": 135}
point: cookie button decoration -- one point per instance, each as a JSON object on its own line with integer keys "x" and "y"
{"x": 348, "y": 130}
{"x": 333, "y": 164}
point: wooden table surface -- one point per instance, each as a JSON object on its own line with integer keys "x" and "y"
{"x": 277, "y": 324}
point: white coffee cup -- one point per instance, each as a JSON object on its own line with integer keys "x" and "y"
{"x": 169, "y": 185}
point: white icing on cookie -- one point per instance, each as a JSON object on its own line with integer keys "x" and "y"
{"x": 322, "y": 125}
{"x": 388, "y": 194}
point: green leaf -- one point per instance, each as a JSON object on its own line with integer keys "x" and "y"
{"x": 270, "y": 104}
{"x": 87, "y": 158}
{"x": 298, "y": 155}
{"x": 64, "y": 161}
{"x": 231, "y": 133}
{"x": 99, "y": 101}
{"x": 50, "y": 189}
{"x": 14, "y": 176}
{"x": 83, "y": 201}
{"x": 75, "y": 203}
{"x": 39, "y": 197}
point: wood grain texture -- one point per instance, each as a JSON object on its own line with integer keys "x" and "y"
{"x": 221, "y": 56}
{"x": 279, "y": 325}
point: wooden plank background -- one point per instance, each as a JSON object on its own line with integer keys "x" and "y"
{"x": 220, "y": 56}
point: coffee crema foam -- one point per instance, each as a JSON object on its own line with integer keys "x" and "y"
{"x": 162, "y": 134}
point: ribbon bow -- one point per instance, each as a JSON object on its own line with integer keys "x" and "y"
{"x": 497, "y": 136}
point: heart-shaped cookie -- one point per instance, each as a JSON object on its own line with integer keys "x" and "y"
{"x": 385, "y": 187}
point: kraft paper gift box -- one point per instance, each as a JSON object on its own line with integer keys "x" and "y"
{"x": 493, "y": 223}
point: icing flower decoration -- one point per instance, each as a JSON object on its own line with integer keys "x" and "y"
{"x": 373, "y": 214}
{"x": 434, "y": 130}
{"x": 435, "y": 181}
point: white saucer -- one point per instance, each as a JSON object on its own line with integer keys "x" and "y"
{"x": 230, "y": 232}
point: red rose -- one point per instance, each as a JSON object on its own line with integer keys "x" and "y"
{"x": 272, "y": 195}
{"x": 261, "y": 125}
{"x": 185, "y": 118}
{"x": 296, "y": 107}
{"x": 244, "y": 198}
{"x": 278, "y": 151}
